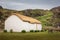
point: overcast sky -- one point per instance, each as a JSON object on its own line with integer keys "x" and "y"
{"x": 29, "y": 4}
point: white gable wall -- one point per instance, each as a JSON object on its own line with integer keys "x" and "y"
{"x": 15, "y": 23}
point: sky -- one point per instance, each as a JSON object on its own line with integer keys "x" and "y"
{"x": 29, "y": 4}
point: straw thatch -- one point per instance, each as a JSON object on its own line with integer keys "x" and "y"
{"x": 27, "y": 19}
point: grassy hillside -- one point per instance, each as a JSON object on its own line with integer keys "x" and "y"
{"x": 30, "y": 36}
{"x": 44, "y": 16}
{"x": 39, "y": 14}
{"x": 56, "y": 16}
{"x": 45, "y": 20}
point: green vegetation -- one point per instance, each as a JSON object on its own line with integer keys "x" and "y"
{"x": 56, "y": 16}
{"x": 5, "y": 31}
{"x": 40, "y": 14}
{"x": 30, "y": 36}
{"x": 45, "y": 20}
{"x": 34, "y": 30}
{"x": 23, "y": 31}
{"x": 46, "y": 17}
{"x": 37, "y": 30}
{"x": 31, "y": 30}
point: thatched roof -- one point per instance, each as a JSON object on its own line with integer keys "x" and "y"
{"x": 27, "y": 19}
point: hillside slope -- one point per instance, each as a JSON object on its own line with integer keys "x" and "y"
{"x": 56, "y": 16}
{"x": 40, "y": 14}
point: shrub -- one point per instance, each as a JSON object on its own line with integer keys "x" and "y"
{"x": 42, "y": 30}
{"x": 31, "y": 30}
{"x": 23, "y": 31}
{"x": 11, "y": 31}
{"x": 5, "y": 31}
{"x": 37, "y": 31}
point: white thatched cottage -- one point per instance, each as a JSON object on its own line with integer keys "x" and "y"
{"x": 18, "y": 22}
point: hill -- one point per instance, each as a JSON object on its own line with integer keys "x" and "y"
{"x": 56, "y": 16}
{"x": 40, "y": 14}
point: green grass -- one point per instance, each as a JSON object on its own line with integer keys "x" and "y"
{"x": 30, "y": 36}
{"x": 45, "y": 19}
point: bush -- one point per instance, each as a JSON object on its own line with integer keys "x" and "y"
{"x": 42, "y": 30}
{"x": 31, "y": 30}
{"x": 37, "y": 31}
{"x": 5, "y": 31}
{"x": 11, "y": 31}
{"x": 23, "y": 31}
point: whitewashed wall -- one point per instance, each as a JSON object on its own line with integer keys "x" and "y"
{"x": 13, "y": 22}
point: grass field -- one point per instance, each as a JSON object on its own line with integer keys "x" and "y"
{"x": 30, "y": 36}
